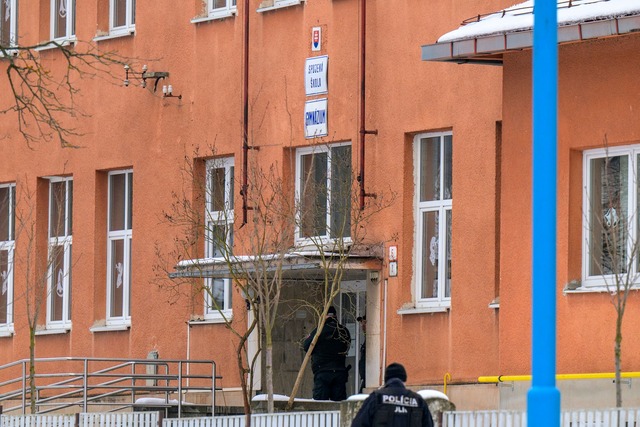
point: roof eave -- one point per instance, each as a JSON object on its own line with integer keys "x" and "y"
{"x": 488, "y": 49}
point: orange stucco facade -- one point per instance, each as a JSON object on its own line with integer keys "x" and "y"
{"x": 486, "y": 109}
{"x": 595, "y": 109}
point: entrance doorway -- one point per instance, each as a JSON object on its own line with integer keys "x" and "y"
{"x": 351, "y": 304}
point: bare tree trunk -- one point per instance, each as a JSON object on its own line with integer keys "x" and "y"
{"x": 243, "y": 384}
{"x": 269, "y": 372}
{"x": 32, "y": 368}
{"x": 618, "y": 360}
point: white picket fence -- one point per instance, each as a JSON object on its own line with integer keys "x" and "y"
{"x": 128, "y": 419}
{"x": 580, "y": 418}
{"x": 585, "y": 418}
{"x": 151, "y": 419}
{"x": 287, "y": 419}
{"x": 119, "y": 419}
{"x": 38, "y": 421}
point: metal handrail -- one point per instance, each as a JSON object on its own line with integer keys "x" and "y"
{"x": 121, "y": 377}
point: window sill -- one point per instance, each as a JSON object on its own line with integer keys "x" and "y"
{"x": 12, "y": 53}
{"x": 6, "y": 333}
{"x": 323, "y": 244}
{"x": 211, "y": 320}
{"x": 215, "y": 17}
{"x": 117, "y": 35}
{"x": 54, "y": 330}
{"x": 279, "y": 5}
{"x": 110, "y": 328}
{"x": 423, "y": 310}
{"x": 590, "y": 290}
{"x": 60, "y": 43}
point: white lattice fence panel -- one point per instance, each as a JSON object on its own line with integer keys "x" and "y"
{"x": 128, "y": 419}
{"x": 37, "y": 421}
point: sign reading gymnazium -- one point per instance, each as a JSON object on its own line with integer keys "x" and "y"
{"x": 315, "y": 75}
{"x": 315, "y": 118}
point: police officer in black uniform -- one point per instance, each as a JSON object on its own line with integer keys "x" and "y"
{"x": 328, "y": 359}
{"x": 394, "y": 405}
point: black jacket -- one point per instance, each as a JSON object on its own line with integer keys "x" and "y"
{"x": 331, "y": 348}
{"x": 395, "y": 406}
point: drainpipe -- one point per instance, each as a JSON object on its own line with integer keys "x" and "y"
{"x": 245, "y": 113}
{"x": 363, "y": 130}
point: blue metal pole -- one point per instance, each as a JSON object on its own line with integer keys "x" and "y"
{"x": 543, "y": 399}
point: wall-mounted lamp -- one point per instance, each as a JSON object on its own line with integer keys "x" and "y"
{"x": 143, "y": 75}
{"x": 167, "y": 92}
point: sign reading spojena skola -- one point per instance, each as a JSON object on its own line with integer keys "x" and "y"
{"x": 315, "y": 75}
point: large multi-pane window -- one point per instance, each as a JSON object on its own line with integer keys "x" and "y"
{"x": 63, "y": 21}
{"x": 219, "y": 232}
{"x": 323, "y": 186}
{"x": 122, "y": 16}
{"x": 611, "y": 203}
{"x": 434, "y": 194}
{"x": 219, "y": 8}
{"x": 59, "y": 261}
{"x": 119, "y": 247}
{"x": 8, "y": 23}
{"x": 7, "y": 244}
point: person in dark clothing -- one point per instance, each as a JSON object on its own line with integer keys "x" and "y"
{"x": 394, "y": 405}
{"x": 328, "y": 359}
{"x": 362, "y": 362}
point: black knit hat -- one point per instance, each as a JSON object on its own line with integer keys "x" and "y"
{"x": 331, "y": 312}
{"x": 395, "y": 370}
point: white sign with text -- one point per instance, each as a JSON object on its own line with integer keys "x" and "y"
{"x": 315, "y": 118}
{"x": 315, "y": 75}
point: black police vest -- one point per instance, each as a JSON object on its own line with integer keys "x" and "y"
{"x": 397, "y": 409}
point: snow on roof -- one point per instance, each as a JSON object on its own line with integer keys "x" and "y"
{"x": 520, "y": 17}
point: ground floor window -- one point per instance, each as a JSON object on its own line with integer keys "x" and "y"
{"x": 433, "y": 162}
{"x": 611, "y": 223}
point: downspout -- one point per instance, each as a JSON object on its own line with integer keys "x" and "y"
{"x": 363, "y": 131}
{"x": 245, "y": 115}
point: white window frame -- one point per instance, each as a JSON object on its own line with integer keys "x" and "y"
{"x": 13, "y": 24}
{"x": 57, "y": 283}
{"x": 9, "y": 246}
{"x": 441, "y": 207}
{"x": 130, "y": 25}
{"x": 70, "y": 34}
{"x": 230, "y": 9}
{"x": 217, "y": 218}
{"x": 114, "y": 236}
{"x": 326, "y": 237}
{"x": 602, "y": 283}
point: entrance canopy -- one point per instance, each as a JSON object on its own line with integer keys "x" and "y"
{"x": 307, "y": 265}
{"x": 485, "y": 38}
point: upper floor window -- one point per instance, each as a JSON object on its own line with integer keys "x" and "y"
{"x": 611, "y": 203}
{"x": 122, "y": 16}
{"x": 433, "y": 163}
{"x": 63, "y": 21}
{"x": 59, "y": 261}
{"x": 323, "y": 187}
{"x": 219, "y": 232}
{"x": 119, "y": 247}
{"x": 7, "y": 244}
{"x": 8, "y": 23}
{"x": 221, "y": 8}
